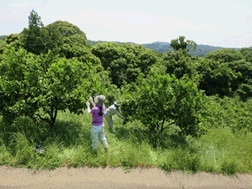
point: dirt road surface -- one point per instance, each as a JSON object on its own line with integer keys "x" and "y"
{"x": 117, "y": 178}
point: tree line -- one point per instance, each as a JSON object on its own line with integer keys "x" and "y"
{"x": 47, "y": 69}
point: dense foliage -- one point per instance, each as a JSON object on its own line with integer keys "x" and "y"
{"x": 33, "y": 85}
{"x": 178, "y": 108}
{"x": 161, "y": 101}
{"x": 124, "y": 62}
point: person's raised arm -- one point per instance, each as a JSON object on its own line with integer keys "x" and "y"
{"x": 88, "y": 107}
{"x": 91, "y": 101}
{"x": 118, "y": 113}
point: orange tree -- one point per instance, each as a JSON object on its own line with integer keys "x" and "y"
{"x": 40, "y": 86}
{"x": 161, "y": 101}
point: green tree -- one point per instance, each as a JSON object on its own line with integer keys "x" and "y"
{"x": 216, "y": 78}
{"x": 245, "y": 91}
{"x": 243, "y": 70}
{"x": 67, "y": 39}
{"x": 124, "y": 62}
{"x": 247, "y": 53}
{"x": 180, "y": 64}
{"x": 61, "y": 89}
{"x": 182, "y": 44}
{"x": 34, "y": 38}
{"x": 231, "y": 71}
{"x": 225, "y": 55}
{"x": 107, "y": 52}
{"x": 19, "y": 83}
{"x": 13, "y": 40}
{"x": 161, "y": 101}
{"x": 2, "y": 47}
{"x": 40, "y": 86}
{"x": 61, "y": 37}
{"x": 9, "y": 40}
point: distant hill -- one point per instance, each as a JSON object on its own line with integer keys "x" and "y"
{"x": 164, "y": 47}
{"x": 2, "y": 37}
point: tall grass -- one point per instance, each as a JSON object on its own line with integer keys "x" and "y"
{"x": 68, "y": 144}
{"x": 225, "y": 152}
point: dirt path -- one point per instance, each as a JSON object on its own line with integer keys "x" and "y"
{"x": 116, "y": 178}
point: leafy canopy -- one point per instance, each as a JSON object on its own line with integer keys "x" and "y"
{"x": 40, "y": 86}
{"x": 124, "y": 62}
{"x": 160, "y": 101}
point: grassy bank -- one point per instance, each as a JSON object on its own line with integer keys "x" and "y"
{"x": 68, "y": 144}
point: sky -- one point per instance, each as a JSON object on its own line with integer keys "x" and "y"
{"x": 223, "y": 23}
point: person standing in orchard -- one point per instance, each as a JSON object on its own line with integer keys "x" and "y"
{"x": 97, "y": 128}
{"x": 110, "y": 112}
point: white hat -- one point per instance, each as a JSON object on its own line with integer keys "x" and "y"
{"x": 116, "y": 103}
{"x": 99, "y": 100}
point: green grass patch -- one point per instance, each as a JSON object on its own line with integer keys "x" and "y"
{"x": 220, "y": 150}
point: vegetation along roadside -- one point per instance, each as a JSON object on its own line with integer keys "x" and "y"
{"x": 181, "y": 111}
